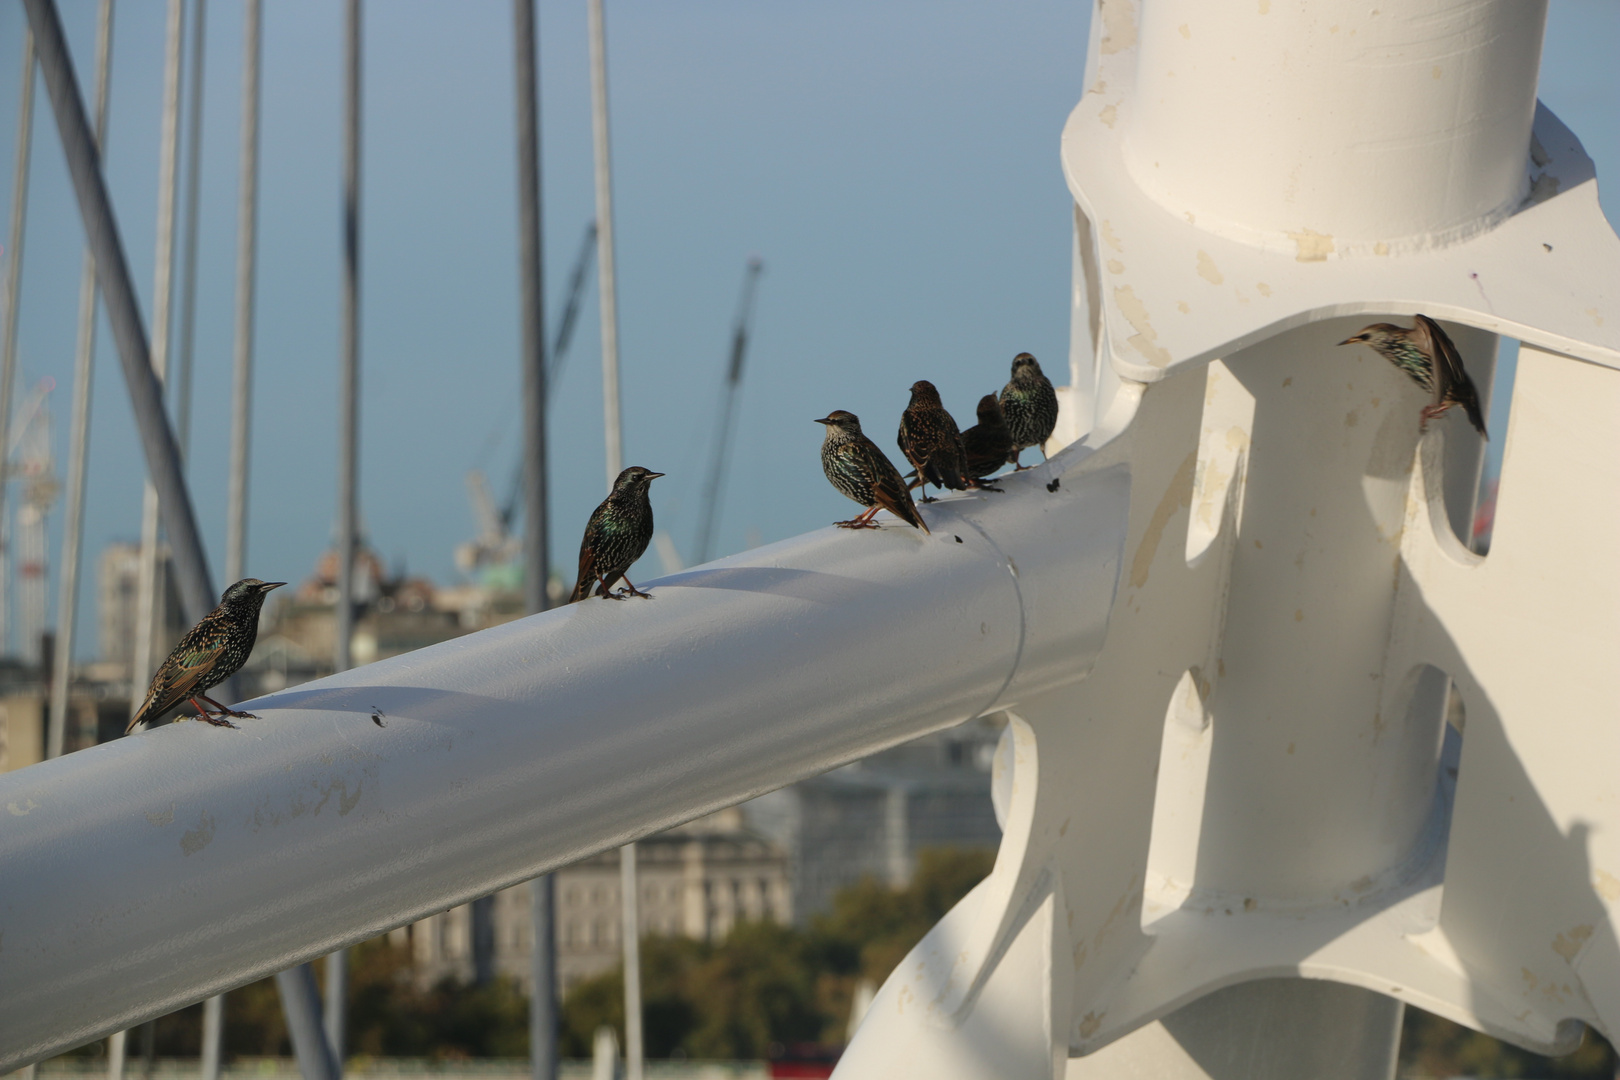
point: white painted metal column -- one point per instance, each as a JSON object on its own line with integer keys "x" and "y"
{"x": 1255, "y": 781}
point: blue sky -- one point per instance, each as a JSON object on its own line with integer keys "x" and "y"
{"x": 895, "y": 165}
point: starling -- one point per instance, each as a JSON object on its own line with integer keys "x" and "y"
{"x": 858, "y": 469}
{"x": 211, "y": 652}
{"x": 987, "y": 445}
{"x": 616, "y": 536}
{"x": 1415, "y": 351}
{"x": 1030, "y": 406}
{"x": 931, "y": 441}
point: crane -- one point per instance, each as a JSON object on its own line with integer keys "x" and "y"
{"x": 728, "y": 411}
{"x": 559, "y": 352}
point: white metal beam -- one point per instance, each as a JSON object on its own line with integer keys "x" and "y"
{"x": 151, "y": 872}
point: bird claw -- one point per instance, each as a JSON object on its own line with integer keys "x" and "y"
{"x": 220, "y": 721}
{"x": 858, "y": 523}
{"x": 625, "y": 594}
{"x": 1022, "y": 468}
{"x": 980, "y": 485}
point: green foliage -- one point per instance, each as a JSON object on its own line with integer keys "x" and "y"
{"x": 1434, "y": 1047}
{"x": 767, "y": 983}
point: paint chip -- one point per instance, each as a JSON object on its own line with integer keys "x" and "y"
{"x": 1207, "y": 269}
{"x": 1186, "y": 31}
{"x": 1108, "y": 115}
{"x": 1119, "y": 26}
{"x": 1115, "y": 266}
{"x": 1311, "y": 246}
{"x": 1181, "y": 306}
{"x": 1146, "y": 339}
{"x": 1608, "y": 886}
{"x": 1568, "y": 945}
{"x": 1380, "y": 248}
{"x": 196, "y": 839}
{"x": 1109, "y": 238}
{"x": 1263, "y": 288}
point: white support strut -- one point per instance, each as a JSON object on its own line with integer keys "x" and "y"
{"x": 150, "y": 872}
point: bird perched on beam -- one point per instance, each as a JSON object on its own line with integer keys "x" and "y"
{"x": 987, "y": 445}
{"x": 616, "y": 536}
{"x": 858, "y": 469}
{"x": 1031, "y": 407}
{"x": 1426, "y": 353}
{"x": 208, "y": 654}
{"x": 931, "y": 441}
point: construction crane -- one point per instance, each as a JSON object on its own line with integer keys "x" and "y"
{"x": 495, "y": 543}
{"x": 559, "y": 353}
{"x": 728, "y": 412}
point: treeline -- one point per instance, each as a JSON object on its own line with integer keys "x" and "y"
{"x": 732, "y": 999}
{"x": 764, "y": 983}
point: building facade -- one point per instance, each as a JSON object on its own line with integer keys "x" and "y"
{"x": 697, "y": 881}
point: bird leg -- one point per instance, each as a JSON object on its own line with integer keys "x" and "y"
{"x": 1017, "y": 467}
{"x": 863, "y": 522}
{"x": 605, "y": 592}
{"x": 631, "y": 590}
{"x": 1432, "y": 411}
{"x": 203, "y": 714}
{"x": 223, "y": 711}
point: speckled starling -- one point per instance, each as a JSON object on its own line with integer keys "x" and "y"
{"x": 615, "y": 537}
{"x": 1415, "y": 352}
{"x": 987, "y": 445}
{"x": 211, "y": 652}
{"x": 931, "y": 441}
{"x": 1030, "y": 405}
{"x": 858, "y": 469}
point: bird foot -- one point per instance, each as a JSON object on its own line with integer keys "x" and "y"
{"x": 1430, "y": 412}
{"x": 612, "y": 594}
{"x": 980, "y": 485}
{"x": 630, "y": 590}
{"x": 219, "y": 721}
{"x": 858, "y": 523}
{"x": 1022, "y": 468}
{"x": 929, "y": 499}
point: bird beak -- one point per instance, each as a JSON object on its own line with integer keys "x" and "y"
{"x": 267, "y": 586}
{"x": 654, "y": 475}
{"x": 825, "y": 420}
{"x": 1352, "y": 340}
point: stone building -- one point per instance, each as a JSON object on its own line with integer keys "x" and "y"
{"x": 697, "y": 880}
{"x": 871, "y": 817}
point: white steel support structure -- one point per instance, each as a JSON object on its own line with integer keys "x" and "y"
{"x": 1256, "y": 780}
{"x": 1221, "y": 625}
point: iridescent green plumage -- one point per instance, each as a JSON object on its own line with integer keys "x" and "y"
{"x": 616, "y": 535}
{"x": 931, "y": 441}
{"x": 208, "y": 654}
{"x": 987, "y": 445}
{"x": 1427, "y": 354}
{"x": 860, "y": 471}
{"x": 1030, "y": 406}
